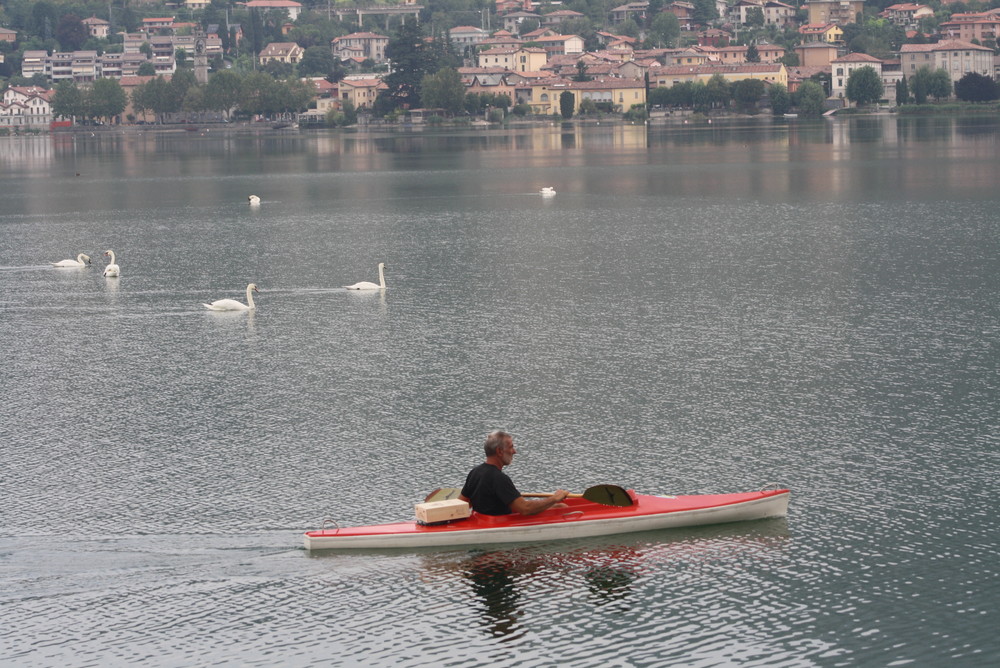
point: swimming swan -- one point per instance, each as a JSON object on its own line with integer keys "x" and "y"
{"x": 548, "y": 191}
{"x": 232, "y": 304}
{"x": 254, "y": 200}
{"x": 80, "y": 261}
{"x": 112, "y": 270}
{"x": 368, "y": 285}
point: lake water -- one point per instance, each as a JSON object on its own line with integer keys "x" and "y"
{"x": 698, "y": 310}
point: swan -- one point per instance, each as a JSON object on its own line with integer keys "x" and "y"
{"x": 368, "y": 285}
{"x": 232, "y": 304}
{"x": 112, "y": 270}
{"x": 254, "y": 200}
{"x": 548, "y": 191}
{"x": 80, "y": 261}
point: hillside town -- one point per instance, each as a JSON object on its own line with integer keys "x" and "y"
{"x": 319, "y": 63}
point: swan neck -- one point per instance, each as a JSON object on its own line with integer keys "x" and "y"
{"x": 381, "y": 276}
{"x": 249, "y": 297}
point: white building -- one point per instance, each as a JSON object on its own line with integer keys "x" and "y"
{"x": 26, "y": 107}
{"x": 841, "y": 69}
{"x": 954, "y": 56}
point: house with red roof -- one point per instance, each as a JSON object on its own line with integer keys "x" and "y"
{"x": 821, "y": 32}
{"x": 956, "y": 57}
{"x": 907, "y": 14}
{"x": 968, "y": 26}
{"x": 559, "y": 16}
{"x": 283, "y": 52}
{"x": 360, "y": 46}
{"x": 26, "y": 107}
{"x": 361, "y": 92}
{"x": 466, "y": 36}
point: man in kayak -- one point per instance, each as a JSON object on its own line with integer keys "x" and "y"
{"x": 491, "y": 492}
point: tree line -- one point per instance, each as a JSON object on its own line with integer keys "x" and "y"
{"x": 744, "y": 95}
{"x": 228, "y": 92}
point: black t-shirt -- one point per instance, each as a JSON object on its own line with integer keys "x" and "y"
{"x": 489, "y": 490}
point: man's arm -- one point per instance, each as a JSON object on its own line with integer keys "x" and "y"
{"x": 525, "y": 506}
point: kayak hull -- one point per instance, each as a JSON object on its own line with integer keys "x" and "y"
{"x": 581, "y": 519}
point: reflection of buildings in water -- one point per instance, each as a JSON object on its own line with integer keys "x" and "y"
{"x": 26, "y": 153}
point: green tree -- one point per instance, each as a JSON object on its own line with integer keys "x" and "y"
{"x": 106, "y": 99}
{"x": 443, "y": 90}
{"x": 408, "y": 53}
{"x": 719, "y": 91}
{"x": 628, "y": 28}
{"x": 864, "y": 86}
{"x": 256, "y": 93}
{"x": 180, "y": 83}
{"x": 701, "y": 98}
{"x": 350, "y": 113}
{"x": 147, "y": 69}
{"x": 581, "y": 72}
{"x": 704, "y": 12}
{"x": 809, "y": 98}
{"x": 927, "y": 82}
{"x": 69, "y": 101}
{"x": 940, "y": 84}
{"x": 317, "y": 60}
{"x": 753, "y": 55}
{"x": 902, "y": 91}
{"x": 567, "y": 102}
{"x": 755, "y": 17}
{"x": 974, "y": 87}
{"x": 154, "y": 95}
{"x": 194, "y": 99}
{"x": 665, "y": 29}
{"x": 43, "y": 20}
{"x": 71, "y": 32}
{"x": 781, "y": 100}
{"x": 747, "y": 93}
{"x": 278, "y": 69}
{"x": 294, "y": 95}
{"x": 222, "y": 93}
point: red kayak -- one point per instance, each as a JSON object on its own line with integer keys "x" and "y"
{"x": 582, "y": 518}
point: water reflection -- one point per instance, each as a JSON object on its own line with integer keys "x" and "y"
{"x": 612, "y": 570}
{"x": 610, "y": 583}
{"x": 491, "y": 576}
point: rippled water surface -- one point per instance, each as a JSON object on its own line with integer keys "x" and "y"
{"x": 697, "y": 310}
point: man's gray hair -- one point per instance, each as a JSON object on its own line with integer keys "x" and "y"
{"x": 495, "y": 441}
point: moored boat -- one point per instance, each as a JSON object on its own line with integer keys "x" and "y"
{"x": 581, "y": 518}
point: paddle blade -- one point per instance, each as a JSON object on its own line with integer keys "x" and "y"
{"x": 608, "y": 495}
{"x": 443, "y": 494}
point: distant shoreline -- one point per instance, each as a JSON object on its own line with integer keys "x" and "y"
{"x": 679, "y": 118}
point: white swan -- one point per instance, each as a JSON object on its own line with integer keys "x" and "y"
{"x": 80, "y": 261}
{"x": 254, "y": 200}
{"x": 548, "y": 191}
{"x": 112, "y": 270}
{"x": 368, "y": 285}
{"x": 232, "y": 304}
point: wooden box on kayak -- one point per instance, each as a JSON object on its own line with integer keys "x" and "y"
{"x": 433, "y": 512}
